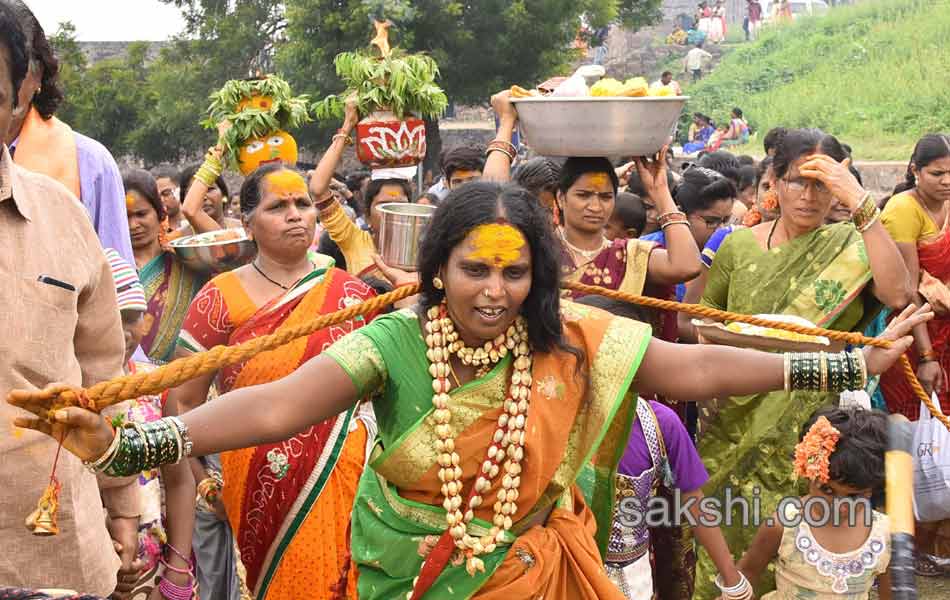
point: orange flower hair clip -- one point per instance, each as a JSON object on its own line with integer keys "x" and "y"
{"x": 813, "y": 453}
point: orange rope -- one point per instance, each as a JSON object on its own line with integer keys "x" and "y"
{"x": 179, "y": 371}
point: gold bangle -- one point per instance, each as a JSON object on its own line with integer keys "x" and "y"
{"x": 823, "y": 369}
{"x": 511, "y": 157}
{"x": 788, "y": 373}
{"x": 347, "y": 140}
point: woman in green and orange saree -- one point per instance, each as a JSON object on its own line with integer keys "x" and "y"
{"x": 288, "y": 502}
{"x": 502, "y": 412}
{"x": 169, "y": 284}
{"x": 833, "y": 275}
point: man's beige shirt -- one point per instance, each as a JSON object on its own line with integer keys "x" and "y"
{"x": 51, "y": 334}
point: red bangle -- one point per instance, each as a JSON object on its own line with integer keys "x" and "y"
{"x": 928, "y": 356}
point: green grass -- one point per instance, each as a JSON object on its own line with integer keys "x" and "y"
{"x": 876, "y": 75}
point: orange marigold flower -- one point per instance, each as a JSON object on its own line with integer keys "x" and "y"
{"x": 813, "y": 453}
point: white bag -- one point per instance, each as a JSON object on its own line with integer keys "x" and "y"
{"x": 931, "y": 467}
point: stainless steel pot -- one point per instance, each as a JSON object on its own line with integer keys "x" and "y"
{"x": 400, "y": 232}
{"x": 598, "y": 126}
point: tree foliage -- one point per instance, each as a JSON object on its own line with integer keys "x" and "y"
{"x": 152, "y": 108}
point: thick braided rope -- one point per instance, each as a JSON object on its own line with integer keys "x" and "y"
{"x": 179, "y": 371}
{"x": 175, "y": 373}
{"x": 722, "y": 315}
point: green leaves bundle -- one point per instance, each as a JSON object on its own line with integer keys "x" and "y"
{"x": 401, "y": 83}
{"x": 284, "y": 111}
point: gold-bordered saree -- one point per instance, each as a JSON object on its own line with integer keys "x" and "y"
{"x": 577, "y": 429}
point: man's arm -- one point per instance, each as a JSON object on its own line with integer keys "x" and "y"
{"x": 107, "y": 204}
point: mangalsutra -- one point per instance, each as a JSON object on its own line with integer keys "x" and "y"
{"x": 278, "y": 284}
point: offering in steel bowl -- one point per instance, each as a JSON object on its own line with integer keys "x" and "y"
{"x": 215, "y": 251}
{"x": 598, "y": 125}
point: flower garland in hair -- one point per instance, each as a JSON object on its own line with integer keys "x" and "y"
{"x": 813, "y": 453}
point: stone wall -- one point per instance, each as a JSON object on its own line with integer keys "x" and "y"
{"x": 99, "y": 51}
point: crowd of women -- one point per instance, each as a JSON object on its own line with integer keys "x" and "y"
{"x": 495, "y": 436}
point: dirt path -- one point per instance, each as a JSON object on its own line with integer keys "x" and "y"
{"x": 930, "y": 588}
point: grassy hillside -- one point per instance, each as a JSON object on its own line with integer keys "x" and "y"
{"x": 877, "y": 75}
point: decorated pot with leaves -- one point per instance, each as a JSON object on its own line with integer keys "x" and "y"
{"x": 393, "y": 90}
{"x": 260, "y": 111}
{"x": 382, "y": 140}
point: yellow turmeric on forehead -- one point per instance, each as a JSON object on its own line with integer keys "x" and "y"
{"x": 129, "y": 201}
{"x": 498, "y": 243}
{"x": 599, "y": 179}
{"x": 286, "y": 183}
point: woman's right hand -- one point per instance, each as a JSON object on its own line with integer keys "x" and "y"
{"x": 84, "y": 433}
{"x": 898, "y": 332}
{"x": 652, "y": 173}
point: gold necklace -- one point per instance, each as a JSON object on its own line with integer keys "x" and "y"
{"x": 587, "y": 255}
{"x": 506, "y": 450}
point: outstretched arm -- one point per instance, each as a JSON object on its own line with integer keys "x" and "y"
{"x": 498, "y": 164}
{"x": 321, "y": 177}
{"x": 246, "y": 417}
{"x": 722, "y": 371}
{"x": 192, "y": 207}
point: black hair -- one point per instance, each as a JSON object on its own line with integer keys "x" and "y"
{"x": 629, "y": 209}
{"x": 748, "y": 177}
{"x": 802, "y": 142}
{"x": 725, "y": 163}
{"x": 700, "y": 188}
{"x": 480, "y": 203}
{"x": 858, "y": 459}
{"x": 328, "y": 247}
{"x": 462, "y": 158}
{"x": 165, "y": 172}
{"x": 376, "y": 185}
{"x": 11, "y": 33}
{"x": 252, "y": 190}
{"x": 635, "y": 185}
{"x": 433, "y": 199}
{"x": 762, "y": 169}
{"x": 538, "y": 175}
{"x": 618, "y": 308}
{"x": 665, "y": 73}
{"x": 188, "y": 174}
{"x": 354, "y": 180}
{"x": 141, "y": 181}
{"x": 745, "y": 160}
{"x": 929, "y": 148}
{"x": 737, "y": 112}
{"x": 773, "y": 138}
{"x": 38, "y": 48}
{"x": 575, "y": 167}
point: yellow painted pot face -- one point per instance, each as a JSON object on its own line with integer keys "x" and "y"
{"x": 279, "y": 145}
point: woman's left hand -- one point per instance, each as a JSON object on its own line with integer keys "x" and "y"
{"x": 836, "y": 177}
{"x": 898, "y": 331}
{"x": 504, "y": 107}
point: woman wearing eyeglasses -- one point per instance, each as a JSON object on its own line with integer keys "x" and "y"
{"x": 833, "y": 275}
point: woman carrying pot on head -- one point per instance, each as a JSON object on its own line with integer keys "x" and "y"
{"x": 169, "y": 284}
{"x": 833, "y": 275}
{"x": 359, "y": 247}
{"x": 586, "y": 194}
{"x": 307, "y": 477}
{"x": 502, "y": 413}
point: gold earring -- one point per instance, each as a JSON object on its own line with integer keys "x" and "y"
{"x": 437, "y": 283}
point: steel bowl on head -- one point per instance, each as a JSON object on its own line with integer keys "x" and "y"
{"x": 598, "y": 126}
{"x": 401, "y": 227}
{"x": 215, "y": 251}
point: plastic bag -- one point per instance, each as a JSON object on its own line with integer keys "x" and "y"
{"x": 931, "y": 467}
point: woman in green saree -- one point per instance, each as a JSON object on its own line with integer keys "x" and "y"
{"x": 832, "y": 275}
{"x": 169, "y": 284}
{"x": 502, "y": 414}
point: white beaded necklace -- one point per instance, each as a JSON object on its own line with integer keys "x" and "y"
{"x": 507, "y": 447}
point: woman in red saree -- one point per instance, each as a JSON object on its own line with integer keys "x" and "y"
{"x": 917, "y": 218}
{"x": 288, "y": 502}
